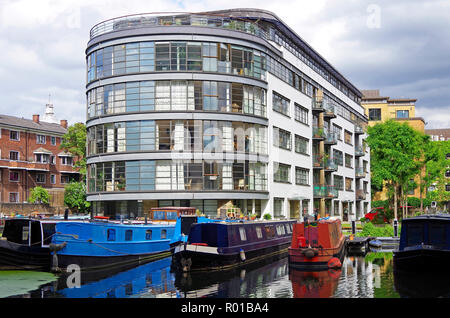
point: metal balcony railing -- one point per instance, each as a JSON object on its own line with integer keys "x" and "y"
{"x": 360, "y": 194}
{"x": 359, "y": 151}
{"x": 359, "y": 172}
{"x": 319, "y": 133}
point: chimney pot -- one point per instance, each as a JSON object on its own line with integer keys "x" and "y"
{"x": 63, "y": 123}
{"x": 36, "y": 118}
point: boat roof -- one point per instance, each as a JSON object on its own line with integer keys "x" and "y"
{"x": 444, "y": 217}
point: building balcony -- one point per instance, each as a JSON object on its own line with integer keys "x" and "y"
{"x": 359, "y": 151}
{"x": 359, "y": 172}
{"x": 330, "y": 138}
{"x": 24, "y": 165}
{"x": 331, "y": 192}
{"x": 317, "y": 104}
{"x": 319, "y": 191}
{"x": 325, "y": 191}
{"x": 360, "y": 194}
{"x": 319, "y": 133}
{"x": 329, "y": 110}
{"x": 359, "y": 130}
{"x": 318, "y": 161}
{"x": 330, "y": 164}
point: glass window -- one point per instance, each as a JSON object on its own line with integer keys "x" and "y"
{"x": 148, "y": 234}
{"x": 402, "y": 114}
{"x": 301, "y": 176}
{"x": 13, "y": 155}
{"x": 14, "y": 176}
{"x": 281, "y": 138}
{"x": 128, "y": 235}
{"x": 375, "y": 114}
{"x": 14, "y": 135}
{"x": 242, "y": 234}
{"x": 277, "y": 209}
{"x": 163, "y": 234}
{"x": 301, "y": 145}
{"x": 258, "y": 232}
{"x": 281, "y": 172}
{"x": 280, "y": 103}
{"x": 301, "y": 114}
{"x": 111, "y": 234}
{"x": 40, "y": 139}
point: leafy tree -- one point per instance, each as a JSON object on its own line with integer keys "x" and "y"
{"x": 39, "y": 195}
{"x": 435, "y": 164}
{"x": 74, "y": 141}
{"x": 75, "y": 197}
{"x": 396, "y": 150}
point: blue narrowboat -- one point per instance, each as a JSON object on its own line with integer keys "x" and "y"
{"x": 104, "y": 243}
{"x": 424, "y": 244}
{"x": 223, "y": 245}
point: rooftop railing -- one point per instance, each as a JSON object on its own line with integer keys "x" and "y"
{"x": 176, "y": 19}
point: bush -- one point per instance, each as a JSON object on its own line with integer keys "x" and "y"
{"x": 267, "y": 216}
{"x": 371, "y": 230}
{"x": 39, "y": 195}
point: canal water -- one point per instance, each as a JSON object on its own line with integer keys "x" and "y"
{"x": 361, "y": 276}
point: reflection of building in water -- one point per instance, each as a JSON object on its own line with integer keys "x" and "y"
{"x": 267, "y": 281}
{"x": 358, "y": 278}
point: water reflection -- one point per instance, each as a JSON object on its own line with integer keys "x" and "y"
{"x": 368, "y": 276}
{"x": 265, "y": 279}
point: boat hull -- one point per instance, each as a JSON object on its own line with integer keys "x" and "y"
{"x": 204, "y": 258}
{"x": 298, "y": 260}
{"x": 102, "y": 262}
{"x": 421, "y": 260}
{"x": 15, "y": 256}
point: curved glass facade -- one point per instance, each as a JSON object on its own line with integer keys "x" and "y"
{"x": 177, "y": 135}
{"x": 143, "y": 57}
{"x": 176, "y": 95}
{"x": 180, "y": 175}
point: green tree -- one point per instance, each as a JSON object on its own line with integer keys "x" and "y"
{"x": 39, "y": 195}
{"x": 75, "y": 197}
{"x": 435, "y": 164}
{"x": 396, "y": 150}
{"x": 74, "y": 142}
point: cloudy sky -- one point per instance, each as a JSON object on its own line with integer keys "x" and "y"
{"x": 401, "y": 47}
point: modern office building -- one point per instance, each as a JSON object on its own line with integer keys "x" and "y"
{"x": 31, "y": 156}
{"x": 220, "y": 110}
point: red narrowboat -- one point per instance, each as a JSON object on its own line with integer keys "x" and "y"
{"x": 317, "y": 245}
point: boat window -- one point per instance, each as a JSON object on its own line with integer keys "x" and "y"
{"x": 283, "y": 232}
{"x": 163, "y": 234}
{"x": 242, "y": 234}
{"x": 48, "y": 229}
{"x": 148, "y": 234}
{"x": 111, "y": 235}
{"x": 128, "y": 235}
{"x": 270, "y": 231}
{"x": 436, "y": 234}
{"x": 288, "y": 228}
{"x": 25, "y": 233}
{"x": 258, "y": 232}
{"x": 414, "y": 235}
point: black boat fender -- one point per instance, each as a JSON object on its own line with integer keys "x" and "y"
{"x": 55, "y": 248}
{"x": 310, "y": 252}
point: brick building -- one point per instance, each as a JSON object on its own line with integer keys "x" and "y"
{"x": 30, "y": 156}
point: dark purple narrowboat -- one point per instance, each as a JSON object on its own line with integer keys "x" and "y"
{"x": 224, "y": 245}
